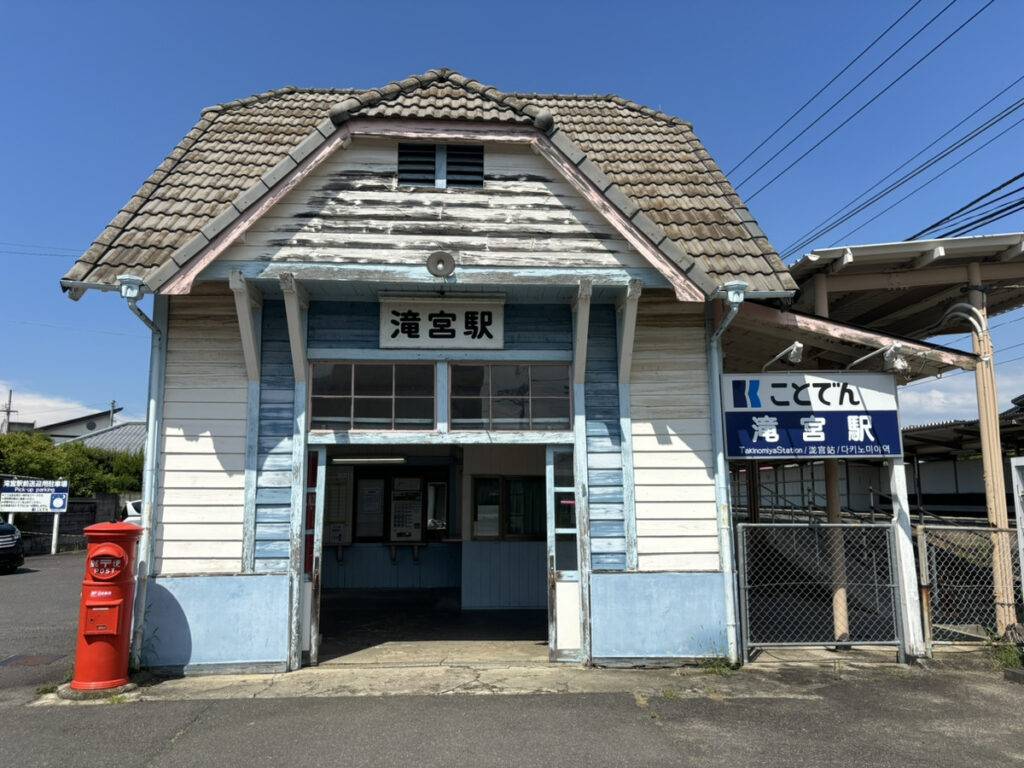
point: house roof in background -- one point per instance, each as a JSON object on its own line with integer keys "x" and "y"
{"x": 83, "y": 417}
{"x": 659, "y": 172}
{"x": 126, "y": 437}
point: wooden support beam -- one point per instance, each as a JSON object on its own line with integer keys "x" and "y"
{"x": 582, "y": 309}
{"x": 629, "y": 304}
{"x": 247, "y": 297}
{"x": 842, "y": 262}
{"x": 296, "y": 299}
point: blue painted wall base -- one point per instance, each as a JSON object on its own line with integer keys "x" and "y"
{"x": 197, "y": 620}
{"x": 658, "y": 615}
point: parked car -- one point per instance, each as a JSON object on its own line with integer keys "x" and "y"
{"x": 12, "y": 549}
{"x": 132, "y": 512}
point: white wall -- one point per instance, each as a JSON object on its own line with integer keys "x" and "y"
{"x": 202, "y": 460}
{"x": 672, "y": 456}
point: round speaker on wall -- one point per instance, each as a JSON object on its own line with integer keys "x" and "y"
{"x": 440, "y": 263}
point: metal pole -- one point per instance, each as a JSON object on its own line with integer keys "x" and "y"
{"x": 910, "y": 606}
{"x": 55, "y": 534}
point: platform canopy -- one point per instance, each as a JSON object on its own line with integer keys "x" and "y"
{"x": 905, "y": 288}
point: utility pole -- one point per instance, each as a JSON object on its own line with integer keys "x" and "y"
{"x": 5, "y": 427}
{"x": 113, "y": 405}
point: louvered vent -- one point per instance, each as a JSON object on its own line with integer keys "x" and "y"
{"x": 416, "y": 164}
{"x": 465, "y": 166}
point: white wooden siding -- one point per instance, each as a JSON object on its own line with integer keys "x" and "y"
{"x": 672, "y": 460}
{"x": 202, "y": 466}
{"x": 350, "y": 210}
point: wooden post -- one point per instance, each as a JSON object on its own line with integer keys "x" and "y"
{"x": 992, "y": 458}
{"x": 906, "y": 571}
{"x": 834, "y": 508}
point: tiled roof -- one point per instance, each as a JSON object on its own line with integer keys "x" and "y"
{"x": 654, "y": 159}
{"x": 126, "y": 437}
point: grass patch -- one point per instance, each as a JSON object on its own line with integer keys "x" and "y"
{"x": 1006, "y": 656}
{"x": 717, "y": 665}
{"x": 53, "y": 685}
{"x": 670, "y": 693}
{"x": 117, "y": 699}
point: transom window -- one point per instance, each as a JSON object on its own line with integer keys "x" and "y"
{"x": 372, "y": 396}
{"x": 441, "y": 165}
{"x": 496, "y": 397}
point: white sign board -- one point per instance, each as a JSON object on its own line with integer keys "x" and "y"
{"x": 440, "y": 323}
{"x": 807, "y": 416}
{"x": 23, "y": 495}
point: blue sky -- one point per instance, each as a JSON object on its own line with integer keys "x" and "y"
{"x": 96, "y": 95}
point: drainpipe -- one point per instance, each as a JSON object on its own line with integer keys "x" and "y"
{"x": 733, "y": 294}
{"x": 132, "y": 290}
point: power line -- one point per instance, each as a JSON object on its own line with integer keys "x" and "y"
{"x": 870, "y": 101}
{"x": 831, "y": 222}
{"x": 948, "y": 218}
{"x": 822, "y": 89}
{"x": 986, "y": 207}
{"x": 842, "y": 98}
{"x": 957, "y": 373}
{"x": 934, "y": 178}
{"x": 7, "y": 252}
{"x": 989, "y": 218}
{"x": 74, "y": 328}
{"x": 43, "y": 247}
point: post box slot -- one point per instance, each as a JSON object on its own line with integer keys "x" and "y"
{"x": 102, "y": 618}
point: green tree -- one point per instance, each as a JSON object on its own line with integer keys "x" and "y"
{"x": 88, "y": 470}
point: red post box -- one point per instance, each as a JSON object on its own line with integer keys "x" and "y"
{"x": 105, "y": 617}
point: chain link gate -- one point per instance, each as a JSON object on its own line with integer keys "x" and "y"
{"x": 817, "y": 584}
{"x": 970, "y": 583}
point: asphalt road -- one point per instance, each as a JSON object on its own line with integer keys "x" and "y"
{"x": 39, "y": 605}
{"x": 769, "y": 717}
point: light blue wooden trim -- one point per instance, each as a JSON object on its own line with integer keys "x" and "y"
{"x": 298, "y": 516}
{"x": 582, "y": 515}
{"x": 318, "y": 552}
{"x": 628, "y": 486}
{"x": 252, "y": 434}
{"x": 150, "y": 470}
{"x": 489, "y": 277}
{"x": 252, "y": 438}
{"x": 437, "y": 438}
{"x": 442, "y": 396}
{"x": 326, "y": 354}
{"x": 549, "y": 485}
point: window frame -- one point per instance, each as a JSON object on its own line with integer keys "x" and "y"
{"x": 441, "y": 165}
{"x": 489, "y": 399}
{"x": 352, "y": 397}
{"x": 504, "y": 482}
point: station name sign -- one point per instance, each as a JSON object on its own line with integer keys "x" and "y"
{"x": 29, "y": 495}
{"x": 439, "y": 323}
{"x": 809, "y": 416}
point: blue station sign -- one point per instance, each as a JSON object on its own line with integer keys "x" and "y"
{"x": 21, "y": 494}
{"x": 810, "y": 416}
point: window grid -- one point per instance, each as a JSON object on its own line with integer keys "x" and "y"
{"x": 489, "y": 422}
{"x": 350, "y": 410}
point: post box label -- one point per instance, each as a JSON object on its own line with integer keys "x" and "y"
{"x": 106, "y": 565}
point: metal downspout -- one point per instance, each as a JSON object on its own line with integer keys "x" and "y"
{"x": 733, "y": 294}
{"x": 157, "y": 357}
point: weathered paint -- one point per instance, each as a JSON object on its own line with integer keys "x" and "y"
{"x": 604, "y": 443}
{"x": 658, "y": 615}
{"x": 435, "y": 565}
{"x": 193, "y": 621}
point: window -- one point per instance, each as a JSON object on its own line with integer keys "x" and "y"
{"x": 527, "y": 396}
{"x": 440, "y": 165}
{"x": 372, "y": 396}
{"x": 509, "y": 508}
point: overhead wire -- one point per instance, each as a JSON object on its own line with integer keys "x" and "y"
{"x": 844, "y": 213}
{"x": 933, "y": 179}
{"x": 946, "y": 219}
{"x": 842, "y": 98}
{"x": 870, "y": 101}
{"x": 821, "y": 90}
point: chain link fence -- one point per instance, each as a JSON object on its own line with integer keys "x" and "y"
{"x": 970, "y": 583}
{"x": 804, "y": 585}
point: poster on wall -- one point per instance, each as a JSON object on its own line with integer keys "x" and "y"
{"x": 370, "y": 509}
{"x": 407, "y": 510}
{"x": 338, "y": 507}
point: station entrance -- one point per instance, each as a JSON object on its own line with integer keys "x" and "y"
{"x": 417, "y": 553}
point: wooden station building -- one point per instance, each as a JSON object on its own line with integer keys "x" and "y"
{"x": 437, "y": 336}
